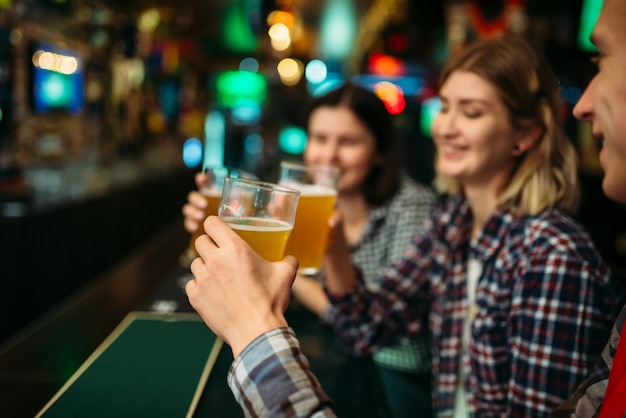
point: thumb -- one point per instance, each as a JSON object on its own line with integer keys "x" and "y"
{"x": 291, "y": 263}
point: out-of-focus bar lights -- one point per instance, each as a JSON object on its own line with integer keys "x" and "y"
{"x": 292, "y": 140}
{"x": 281, "y": 16}
{"x": 214, "y": 139}
{"x": 148, "y": 20}
{"x": 290, "y": 71}
{"x": 319, "y": 79}
{"x": 192, "y": 152}
{"x": 280, "y": 39}
{"x": 58, "y": 63}
{"x": 233, "y": 86}
{"x": 245, "y": 112}
{"x": 337, "y": 29}
{"x": 391, "y": 95}
{"x": 315, "y": 71}
{"x": 383, "y": 64}
{"x": 249, "y": 64}
{"x": 430, "y": 109}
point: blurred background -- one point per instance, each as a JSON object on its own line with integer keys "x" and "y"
{"x": 108, "y": 108}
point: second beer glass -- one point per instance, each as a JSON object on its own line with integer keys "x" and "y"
{"x": 212, "y": 192}
{"x": 318, "y": 195}
{"x": 261, "y": 213}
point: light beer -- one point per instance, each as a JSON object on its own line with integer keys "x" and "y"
{"x": 268, "y": 237}
{"x": 309, "y": 237}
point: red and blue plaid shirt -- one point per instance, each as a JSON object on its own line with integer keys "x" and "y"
{"x": 545, "y": 303}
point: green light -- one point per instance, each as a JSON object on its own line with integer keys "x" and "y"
{"x": 233, "y": 86}
{"x": 236, "y": 31}
{"x": 430, "y": 108}
{"x": 588, "y": 16}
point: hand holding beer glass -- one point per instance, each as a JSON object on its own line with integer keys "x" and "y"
{"x": 318, "y": 195}
{"x": 261, "y": 213}
{"x": 212, "y": 193}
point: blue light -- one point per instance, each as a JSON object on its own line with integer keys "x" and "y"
{"x": 315, "y": 71}
{"x": 332, "y": 81}
{"x": 254, "y": 144}
{"x": 245, "y": 112}
{"x": 292, "y": 140}
{"x": 192, "y": 152}
{"x": 249, "y": 64}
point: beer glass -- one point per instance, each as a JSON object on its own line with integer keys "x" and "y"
{"x": 260, "y": 213}
{"x": 212, "y": 192}
{"x": 318, "y": 195}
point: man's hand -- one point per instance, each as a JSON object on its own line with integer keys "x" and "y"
{"x": 237, "y": 293}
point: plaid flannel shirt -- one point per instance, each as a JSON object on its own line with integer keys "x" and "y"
{"x": 545, "y": 304}
{"x": 585, "y": 402}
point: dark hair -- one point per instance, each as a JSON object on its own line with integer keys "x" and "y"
{"x": 383, "y": 180}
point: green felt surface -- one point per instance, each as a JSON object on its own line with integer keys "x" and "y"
{"x": 150, "y": 366}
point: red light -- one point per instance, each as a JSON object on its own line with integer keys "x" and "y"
{"x": 392, "y": 96}
{"x": 383, "y": 64}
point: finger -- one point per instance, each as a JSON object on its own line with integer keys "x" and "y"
{"x": 192, "y": 212}
{"x": 221, "y": 234}
{"x": 293, "y": 262}
{"x": 190, "y": 286}
{"x": 201, "y": 179}
{"x": 195, "y": 198}
{"x": 190, "y": 225}
{"x": 204, "y": 244}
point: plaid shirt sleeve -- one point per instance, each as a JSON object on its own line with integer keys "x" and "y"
{"x": 372, "y": 317}
{"x": 587, "y": 399}
{"x": 272, "y": 378}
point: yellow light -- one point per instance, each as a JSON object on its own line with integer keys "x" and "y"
{"x": 278, "y": 31}
{"x": 46, "y": 60}
{"x": 148, "y": 20}
{"x": 68, "y": 65}
{"x": 280, "y": 16}
{"x": 279, "y": 36}
{"x": 36, "y": 57}
{"x": 290, "y": 71}
{"x": 280, "y": 45}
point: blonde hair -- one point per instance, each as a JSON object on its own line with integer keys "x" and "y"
{"x": 546, "y": 175}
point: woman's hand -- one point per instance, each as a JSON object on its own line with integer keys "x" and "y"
{"x": 237, "y": 293}
{"x": 310, "y": 293}
{"x": 339, "y": 271}
{"x": 194, "y": 209}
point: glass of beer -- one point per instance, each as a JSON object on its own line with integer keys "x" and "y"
{"x": 212, "y": 192}
{"x": 260, "y": 213}
{"x": 318, "y": 195}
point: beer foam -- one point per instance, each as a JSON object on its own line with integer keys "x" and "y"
{"x": 257, "y": 224}
{"x": 314, "y": 190}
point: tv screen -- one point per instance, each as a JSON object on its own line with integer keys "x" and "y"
{"x": 58, "y": 79}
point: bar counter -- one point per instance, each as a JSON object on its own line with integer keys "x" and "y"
{"x": 37, "y": 362}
